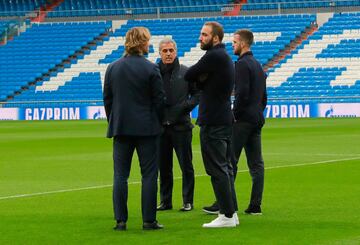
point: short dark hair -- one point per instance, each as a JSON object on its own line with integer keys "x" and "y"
{"x": 246, "y": 36}
{"x": 217, "y": 29}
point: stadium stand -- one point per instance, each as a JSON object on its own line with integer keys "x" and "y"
{"x": 19, "y": 7}
{"x": 4, "y": 25}
{"x": 293, "y": 4}
{"x": 85, "y": 88}
{"x": 324, "y": 68}
{"x": 71, "y": 8}
{"x": 270, "y": 38}
{"x": 39, "y": 51}
{"x": 60, "y": 63}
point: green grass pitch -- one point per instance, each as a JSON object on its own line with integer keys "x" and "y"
{"x": 56, "y": 177}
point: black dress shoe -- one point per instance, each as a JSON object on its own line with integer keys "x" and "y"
{"x": 163, "y": 207}
{"x": 152, "y": 226}
{"x": 253, "y": 210}
{"x": 121, "y": 226}
{"x": 213, "y": 209}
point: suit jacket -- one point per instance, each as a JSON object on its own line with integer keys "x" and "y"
{"x": 181, "y": 100}
{"x": 250, "y": 90}
{"x": 214, "y": 75}
{"x": 133, "y": 97}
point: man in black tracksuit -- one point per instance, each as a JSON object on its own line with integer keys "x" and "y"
{"x": 250, "y": 102}
{"x": 181, "y": 98}
{"x": 214, "y": 75}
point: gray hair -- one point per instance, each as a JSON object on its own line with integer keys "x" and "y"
{"x": 167, "y": 40}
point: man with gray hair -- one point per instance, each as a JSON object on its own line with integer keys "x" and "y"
{"x": 181, "y": 98}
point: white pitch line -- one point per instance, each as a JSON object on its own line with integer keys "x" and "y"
{"x": 315, "y": 154}
{"x": 307, "y": 154}
{"x": 138, "y": 182}
{"x": 313, "y": 163}
{"x": 58, "y": 191}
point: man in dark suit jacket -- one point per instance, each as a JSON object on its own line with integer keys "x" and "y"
{"x": 133, "y": 97}
{"x": 181, "y": 98}
{"x": 214, "y": 75}
{"x": 250, "y": 102}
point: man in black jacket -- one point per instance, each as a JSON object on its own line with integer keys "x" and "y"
{"x": 214, "y": 75}
{"x": 181, "y": 98}
{"x": 250, "y": 102}
{"x": 133, "y": 99}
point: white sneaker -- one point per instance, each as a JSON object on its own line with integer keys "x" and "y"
{"x": 235, "y": 216}
{"x": 221, "y": 221}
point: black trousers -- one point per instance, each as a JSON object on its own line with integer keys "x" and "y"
{"x": 123, "y": 149}
{"x": 216, "y": 153}
{"x": 180, "y": 141}
{"x": 248, "y": 136}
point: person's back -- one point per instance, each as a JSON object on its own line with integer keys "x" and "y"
{"x": 134, "y": 97}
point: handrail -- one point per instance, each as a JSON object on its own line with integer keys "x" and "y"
{"x": 181, "y": 9}
{"x": 98, "y": 101}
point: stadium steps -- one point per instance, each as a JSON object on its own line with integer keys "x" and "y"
{"x": 306, "y": 57}
{"x": 90, "y": 63}
{"x": 59, "y": 67}
{"x": 290, "y": 47}
{"x": 325, "y": 49}
{"x": 73, "y": 66}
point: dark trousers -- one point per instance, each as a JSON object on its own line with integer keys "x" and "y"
{"x": 146, "y": 148}
{"x": 180, "y": 141}
{"x": 248, "y": 136}
{"x": 216, "y": 152}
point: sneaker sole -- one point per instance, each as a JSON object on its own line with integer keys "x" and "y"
{"x": 255, "y": 214}
{"x": 210, "y": 212}
{"x": 185, "y": 210}
{"x": 223, "y": 226}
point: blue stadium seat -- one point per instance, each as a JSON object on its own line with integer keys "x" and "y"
{"x": 312, "y": 84}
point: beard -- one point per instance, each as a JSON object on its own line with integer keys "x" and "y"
{"x": 237, "y": 51}
{"x": 207, "y": 46}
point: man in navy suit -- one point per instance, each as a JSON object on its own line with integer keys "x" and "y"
{"x": 133, "y": 99}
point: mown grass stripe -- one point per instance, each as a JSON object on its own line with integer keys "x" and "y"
{"x": 138, "y": 182}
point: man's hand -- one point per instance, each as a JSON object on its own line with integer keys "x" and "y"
{"x": 203, "y": 77}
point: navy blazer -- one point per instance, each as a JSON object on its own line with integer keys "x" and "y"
{"x": 133, "y": 97}
{"x": 250, "y": 90}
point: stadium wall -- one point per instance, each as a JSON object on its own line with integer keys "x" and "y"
{"x": 273, "y": 110}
